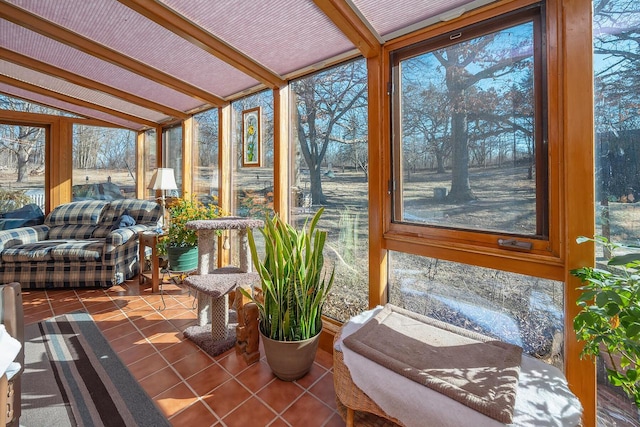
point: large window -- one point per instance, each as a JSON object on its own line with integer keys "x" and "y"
{"x": 22, "y": 156}
{"x": 330, "y": 169}
{"x": 469, "y": 133}
{"x": 616, "y": 30}
{"x": 253, "y": 181}
{"x": 104, "y": 165}
{"x": 150, "y": 160}
{"x": 205, "y": 156}
{"x": 518, "y": 309}
{"x": 172, "y": 154}
{"x": 22, "y": 166}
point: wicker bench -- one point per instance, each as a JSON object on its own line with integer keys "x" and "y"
{"x": 354, "y": 406}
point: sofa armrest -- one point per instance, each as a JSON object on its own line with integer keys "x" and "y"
{"x": 23, "y": 235}
{"x": 120, "y": 236}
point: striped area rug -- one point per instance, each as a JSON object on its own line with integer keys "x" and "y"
{"x": 95, "y": 386}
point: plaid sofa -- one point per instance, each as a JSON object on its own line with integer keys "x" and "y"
{"x": 80, "y": 244}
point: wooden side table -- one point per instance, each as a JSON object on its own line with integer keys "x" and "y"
{"x": 149, "y": 239}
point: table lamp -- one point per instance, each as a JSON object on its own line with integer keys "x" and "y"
{"x": 163, "y": 179}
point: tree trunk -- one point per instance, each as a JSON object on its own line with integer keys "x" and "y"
{"x": 23, "y": 160}
{"x": 460, "y": 186}
{"x": 317, "y": 195}
{"x": 440, "y": 162}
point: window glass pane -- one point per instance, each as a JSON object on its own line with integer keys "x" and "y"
{"x": 514, "y": 308}
{"x": 22, "y": 171}
{"x": 469, "y": 157}
{"x": 104, "y": 165}
{"x": 329, "y": 169}
{"x": 616, "y": 31}
{"x": 253, "y": 183}
{"x": 150, "y": 160}
{"x": 172, "y": 155}
{"x": 205, "y": 164}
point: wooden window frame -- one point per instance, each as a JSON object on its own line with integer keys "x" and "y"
{"x": 482, "y": 248}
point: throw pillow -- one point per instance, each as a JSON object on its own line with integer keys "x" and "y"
{"x": 125, "y": 220}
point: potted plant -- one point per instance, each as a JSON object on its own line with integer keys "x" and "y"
{"x": 609, "y": 319}
{"x": 294, "y": 289}
{"x": 179, "y": 243}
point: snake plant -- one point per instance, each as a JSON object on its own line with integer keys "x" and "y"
{"x": 294, "y": 286}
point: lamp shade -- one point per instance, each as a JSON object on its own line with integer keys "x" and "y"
{"x": 163, "y": 179}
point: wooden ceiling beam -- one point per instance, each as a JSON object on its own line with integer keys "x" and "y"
{"x": 352, "y": 25}
{"x": 54, "y": 31}
{"x": 42, "y": 67}
{"x": 188, "y": 30}
{"x": 66, "y": 98}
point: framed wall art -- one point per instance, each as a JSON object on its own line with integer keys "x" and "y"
{"x": 251, "y": 138}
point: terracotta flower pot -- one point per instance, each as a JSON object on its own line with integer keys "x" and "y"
{"x": 290, "y": 360}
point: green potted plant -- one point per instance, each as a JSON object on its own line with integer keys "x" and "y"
{"x": 179, "y": 243}
{"x": 609, "y": 319}
{"x": 294, "y": 290}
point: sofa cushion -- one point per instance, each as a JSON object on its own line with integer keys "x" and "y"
{"x": 86, "y": 212}
{"x": 141, "y": 211}
{"x": 22, "y": 236}
{"x": 37, "y": 251}
{"x": 72, "y": 231}
{"x": 107, "y": 221}
{"x": 80, "y": 250}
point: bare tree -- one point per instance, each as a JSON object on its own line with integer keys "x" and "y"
{"x": 323, "y": 103}
{"x": 465, "y": 65}
{"x": 617, "y": 86}
{"x": 23, "y": 143}
{"x": 425, "y": 114}
{"x": 85, "y": 148}
{"x": 353, "y": 144}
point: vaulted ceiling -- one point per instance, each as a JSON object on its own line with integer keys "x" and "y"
{"x": 143, "y": 63}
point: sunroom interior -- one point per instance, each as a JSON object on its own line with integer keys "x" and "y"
{"x": 359, "y": 104}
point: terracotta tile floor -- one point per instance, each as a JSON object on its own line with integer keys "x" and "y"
{"x": 191, "y": 388}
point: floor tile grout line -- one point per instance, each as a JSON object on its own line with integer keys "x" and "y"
{"x": 170, "y": 365}
{"x": 82, "y": 299}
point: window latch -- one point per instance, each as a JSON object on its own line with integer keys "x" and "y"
{"x": 515, "y": 244}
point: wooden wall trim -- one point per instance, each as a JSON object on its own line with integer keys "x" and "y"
{"x": 224, "y": 156}
{"x": 577, "y": 132}
{"x": 378, "y": 163}
{"x": 188, "y": 146}
{"x": 282, "y": 121}
{"x": 352, "y": 25}
{"x": 225, "y": 150}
